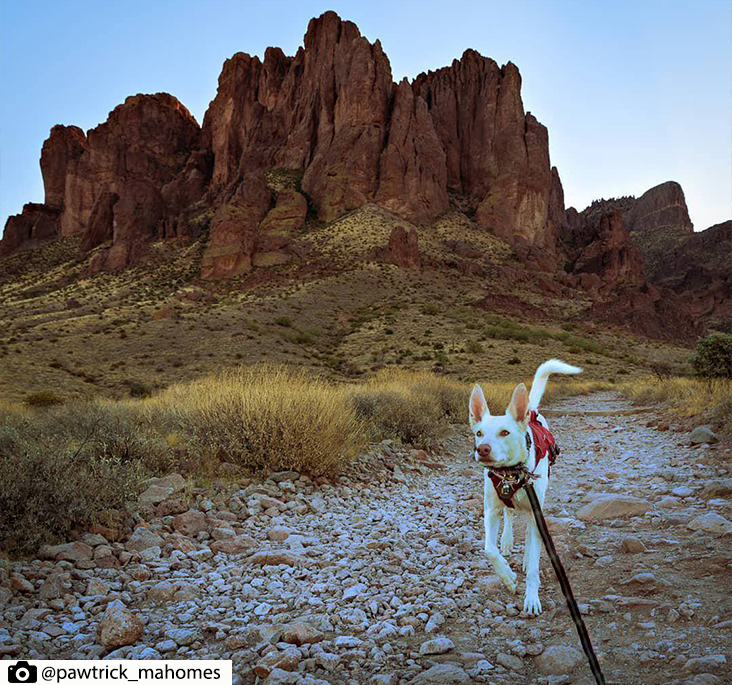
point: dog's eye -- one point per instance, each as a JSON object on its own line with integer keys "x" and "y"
{"x": 504, "y": 433}
{"x": 479, "y": 434}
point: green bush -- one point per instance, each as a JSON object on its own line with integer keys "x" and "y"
{"x": 713, "y": 356}
{"x": 473, "y": 347}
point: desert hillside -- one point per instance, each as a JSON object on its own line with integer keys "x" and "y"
{"x": 324, "y": 215}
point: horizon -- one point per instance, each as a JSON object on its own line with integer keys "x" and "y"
{"x": 672, "y": 133}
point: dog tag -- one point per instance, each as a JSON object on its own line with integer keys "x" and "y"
{"x": 506, "y": 489}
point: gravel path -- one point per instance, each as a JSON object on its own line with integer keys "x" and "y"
{"x": 380, "y": 577}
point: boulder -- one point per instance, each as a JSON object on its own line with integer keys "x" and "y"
{"x": 119, "y": 626}
{"x": 235, "y": 545}
{"x": 442, "y": 674}
{"x": 275, "y": 558}
{"x": 437, "y": 645}
{"x": 301, "y": 633}
{"x": 190, "y": 523}
{"x": 711, "y": 522}
{"x": 142, "y": 539}
{"x": 559, "y": 660}
{"x": 287, "y": 660}
{"x": 717, "y": 487}
{"x": 632, "y": 545}
{"x": 69, "y": 551}
{"x": 613, "y": 506}
{"x": 701, "y": 435}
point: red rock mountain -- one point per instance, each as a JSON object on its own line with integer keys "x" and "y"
{"x": 332, "y": 117}
{"x": 654, "y": 241}
{"x": 326, "y": 131}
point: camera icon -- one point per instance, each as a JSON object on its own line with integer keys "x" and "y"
{"x": 22, "y": 672}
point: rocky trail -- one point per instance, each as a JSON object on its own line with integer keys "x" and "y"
{"x": 380, "y": 576}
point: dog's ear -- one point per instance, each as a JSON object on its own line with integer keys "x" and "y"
{"x": 519, "y": 407}
{"x": 478, "y": 407}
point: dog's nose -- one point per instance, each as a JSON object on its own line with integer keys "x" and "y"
{"x": 484, "y": 452}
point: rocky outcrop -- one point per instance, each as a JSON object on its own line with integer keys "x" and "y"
{"x": 413, "y": 172}
{"x": 402, "y": 250}
{"x": 147, "y": 140}
{"x": 604, "y": 260}
{"x": 330, "y": 114}
{"x": 599, "y": 244}
{"x": 35, "y": 224}
{"x": 326, "y": 131}
{"x": 647, "y": 310}
{"x": 657, "y": 221}
{"x": 699, "y": 268}
{"x": 59, "y": 156}
{"x": 278, "y": 227}
{"x": 333, "y": 113}
{"x": 101, "y": 221}
{"x": 497, "y": 156}
{"x": 106, "y": 185}
{"x": 137, "y": 217}
{"x": 693, "y": 267}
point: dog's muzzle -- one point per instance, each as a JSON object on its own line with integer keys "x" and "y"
{"x": 483, "y": 454}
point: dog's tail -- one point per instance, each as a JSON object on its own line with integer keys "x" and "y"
{"x": 542, "y": 376}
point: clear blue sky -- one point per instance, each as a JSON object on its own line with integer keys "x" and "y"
{"x": 633, "y": 93}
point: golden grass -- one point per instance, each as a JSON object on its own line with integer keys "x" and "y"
{"x": 416, "y": 407}
{"x": 71, "y": 465}
{"x": 689, "y": 397}
{"x": 273, "y": 417}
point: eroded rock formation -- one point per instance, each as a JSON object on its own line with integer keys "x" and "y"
{"x": 331, "y": 114}
{"x": 654, "y": 241}
{"x": 402, "y": 250}
{"x": 326, "y": 131}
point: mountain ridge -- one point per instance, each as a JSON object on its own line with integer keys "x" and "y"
{"x": 292, "y": 140}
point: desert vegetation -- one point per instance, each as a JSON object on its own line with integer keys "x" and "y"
{"x": 706, "y": 399}
{"x": 706, "y": 396}
{"x": 69, "y": 465}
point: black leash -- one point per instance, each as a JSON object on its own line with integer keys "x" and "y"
{"x": 574, "y": 611}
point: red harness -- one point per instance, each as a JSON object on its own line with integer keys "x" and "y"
{"x": 546, "y": 446}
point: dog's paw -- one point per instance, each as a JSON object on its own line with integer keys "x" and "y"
{"x": 532, "y": 605}
{"x": 508, "y": 578}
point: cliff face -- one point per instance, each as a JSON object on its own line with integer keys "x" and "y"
{"x": 654, "y": 241}
{"x": 108, "y": 184}
{"x": 657, "y": 221}
{"x": 332, "y": 117}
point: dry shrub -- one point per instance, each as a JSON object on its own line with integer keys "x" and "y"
{"x": 49, "y": 486}
{"x": 70, "y": 465}
{"x": 43, "y": 398}
{"x": 710, "y": 398}
{"x": 265, "y": 417}
{"x": 415, "y": 408}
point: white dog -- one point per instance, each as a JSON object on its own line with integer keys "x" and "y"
{"x": 501, "y": 442}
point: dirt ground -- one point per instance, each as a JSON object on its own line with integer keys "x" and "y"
{"x": 385, "y": 568}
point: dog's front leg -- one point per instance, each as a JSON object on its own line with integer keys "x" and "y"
{"x": 507, "y": 534}
{"x": 491, "y": 520}
{"x": 532, "y": 604}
